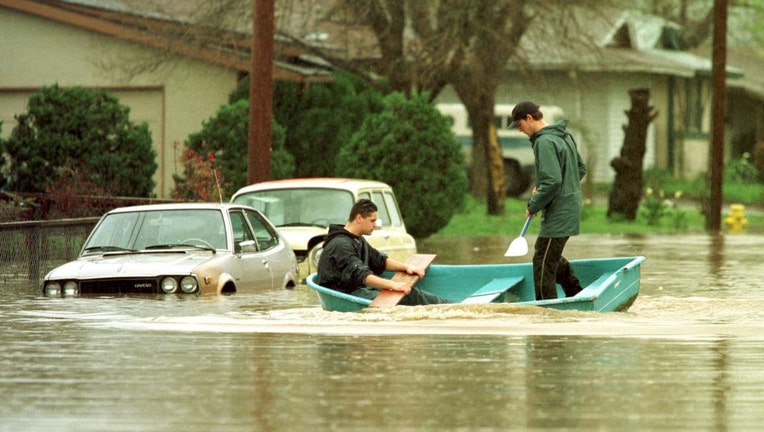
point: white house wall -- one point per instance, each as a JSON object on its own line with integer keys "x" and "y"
{"x": 174, "y": 99}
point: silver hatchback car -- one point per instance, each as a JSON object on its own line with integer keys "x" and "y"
{"x": 302, "y": 210}
{"x": 181, "y": 249}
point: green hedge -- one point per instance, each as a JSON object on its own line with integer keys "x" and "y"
{"x": 410, "y": 146}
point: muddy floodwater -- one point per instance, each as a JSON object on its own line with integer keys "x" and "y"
{"x": 688, "y": 355}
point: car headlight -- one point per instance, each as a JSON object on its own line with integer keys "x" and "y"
{"x": 188, "y": 284}
{"x": 315, "y": 255}
{"x": 52, "y": 289}
{"x": 70, "y": 288}
{"x": 169, "y": 285}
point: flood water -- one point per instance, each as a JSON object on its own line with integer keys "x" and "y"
{"x": 688, "y": 355}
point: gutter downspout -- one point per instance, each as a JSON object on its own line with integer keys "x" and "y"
{"x": 670, "y": 135}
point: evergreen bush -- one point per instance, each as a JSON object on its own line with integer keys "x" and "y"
{"x": 409, "y": 145}
{"x": 226, "y": 136}
{"x": 321, "y": 119}
{"x": 80, "y": 133}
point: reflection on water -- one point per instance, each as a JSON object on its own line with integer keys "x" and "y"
{"x": 686, "y": 356}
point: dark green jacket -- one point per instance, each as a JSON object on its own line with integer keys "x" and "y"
{"x": 559, "y": 170}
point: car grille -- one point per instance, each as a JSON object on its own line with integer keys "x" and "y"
{"x": 120, "y": 286}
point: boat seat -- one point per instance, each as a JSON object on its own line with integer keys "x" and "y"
{"x": 595, "y": 284}
{"x": 493, "y": 289}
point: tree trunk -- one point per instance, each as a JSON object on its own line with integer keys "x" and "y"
{"x": 478, "y": 168}
{"x": 627, "y": 189}
{"x": 487, "y": 164}
{"x": 497, "y": 191}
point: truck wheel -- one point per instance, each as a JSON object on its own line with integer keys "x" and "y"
{"x": 516, "y": 179}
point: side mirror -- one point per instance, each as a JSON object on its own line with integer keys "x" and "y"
{"x": 247, "y": 246}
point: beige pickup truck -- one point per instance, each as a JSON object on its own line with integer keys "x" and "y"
{"x": 302, "y": 210}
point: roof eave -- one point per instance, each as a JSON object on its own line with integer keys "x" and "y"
{"x": 230, "y": 60}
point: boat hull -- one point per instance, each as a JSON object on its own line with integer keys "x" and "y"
{"x": 610, "y": 285}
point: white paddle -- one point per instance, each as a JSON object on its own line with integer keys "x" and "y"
{"x": 519, "y": 246}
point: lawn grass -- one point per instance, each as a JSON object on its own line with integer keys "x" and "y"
{"x": 472, "y": 220}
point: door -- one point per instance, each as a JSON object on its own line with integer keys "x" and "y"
{"x": 254, "y": 268}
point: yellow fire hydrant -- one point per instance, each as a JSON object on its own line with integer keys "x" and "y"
{"x": 736, "y": 220}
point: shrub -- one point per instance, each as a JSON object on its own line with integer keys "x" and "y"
{"x": 201, "y": 181}
{"x": 321, "y": 119}
{"x": 84, "y": 128}
{"x": 225, "y": 136}
{"x": 741, "y": 170}
{"x": 654, "y": 207}
{"x": 14, "y": 208}
{"x": 66, "y": 198}
{"x": 657, "y": 206}
{"x": 656, "y": 178}
{"x": 410, "y": 146}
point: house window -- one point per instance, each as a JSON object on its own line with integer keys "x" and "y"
{"x": 695, "y": 105}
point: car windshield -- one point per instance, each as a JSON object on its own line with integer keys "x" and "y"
{"x": 157, "y": 229}
{"x": 294, "y": 207}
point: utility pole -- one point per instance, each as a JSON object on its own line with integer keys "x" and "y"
{"x": 260, "y": 92}
{"x": 719, "y": 88}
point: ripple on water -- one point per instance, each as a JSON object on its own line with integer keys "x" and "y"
{"x": 650, "y": 316}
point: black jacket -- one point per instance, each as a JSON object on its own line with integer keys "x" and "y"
{"x": 347, "y": 260}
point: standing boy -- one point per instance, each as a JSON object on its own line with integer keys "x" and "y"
{"x": 556, "y": 194}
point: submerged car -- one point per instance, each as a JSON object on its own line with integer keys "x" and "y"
{"x": 177, "y": 249}
{"x": 302, "y": 210}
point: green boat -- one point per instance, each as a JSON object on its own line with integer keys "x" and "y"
{"x": 610, "y": 284}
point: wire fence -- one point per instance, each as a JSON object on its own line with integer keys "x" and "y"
{"x": 31, "y": 249}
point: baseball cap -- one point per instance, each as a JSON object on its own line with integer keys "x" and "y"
{"x": 521, "y": 110}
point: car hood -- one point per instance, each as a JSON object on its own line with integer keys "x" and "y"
{"x": 139, "y": 264}
{"x": 299, "y": 236}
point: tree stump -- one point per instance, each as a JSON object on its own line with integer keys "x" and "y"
{"x": 627, "y": 188}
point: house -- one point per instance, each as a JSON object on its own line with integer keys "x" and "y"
{"x": 591, "y": 84}
{"x": 171, "y": 73}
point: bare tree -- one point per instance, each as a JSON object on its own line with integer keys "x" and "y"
{"x": 497, "y": 30}
{"x": 696, "y": 19}
{"x": 419, "y": 46}
{"x": 215, "y": 32}
{"x": 627, "y": 188}
{"x": 424, "y": 46}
